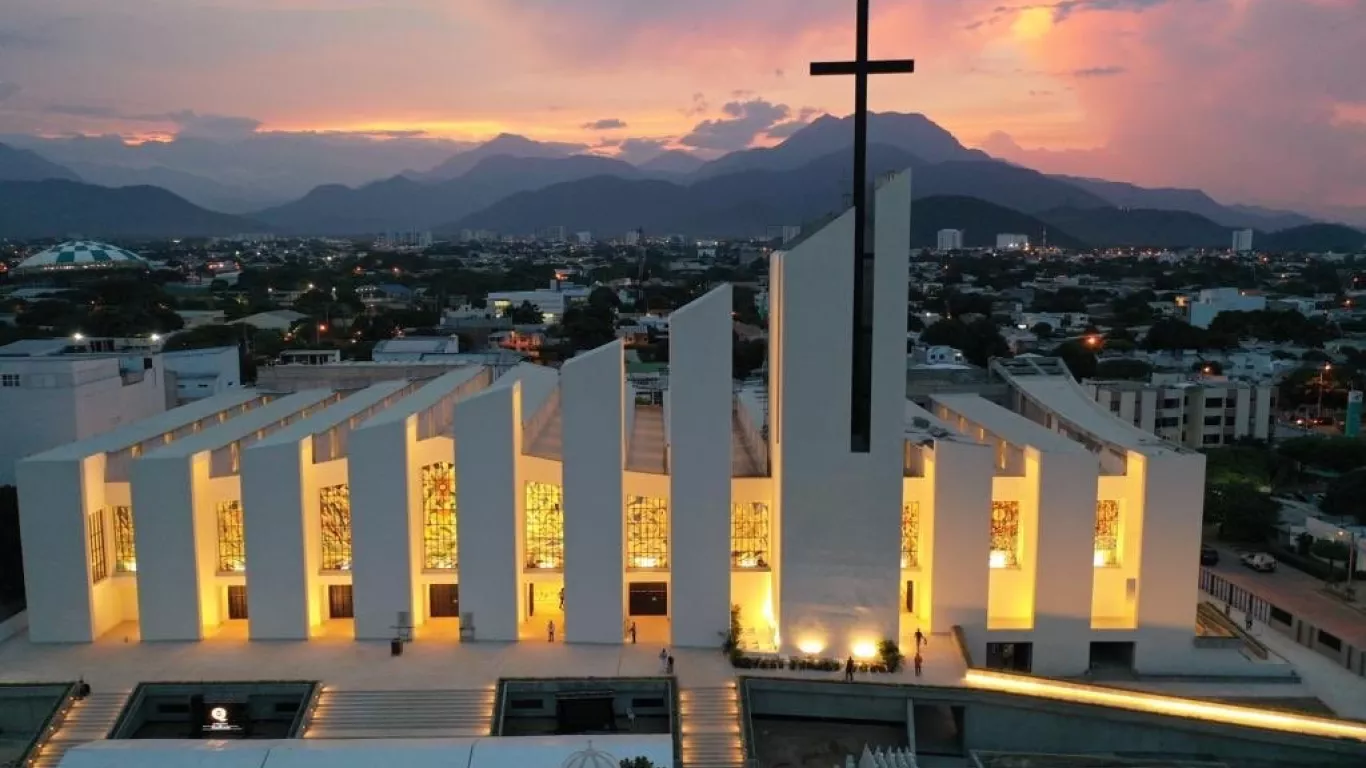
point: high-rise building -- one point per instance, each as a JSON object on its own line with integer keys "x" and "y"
{"x": 1242, "y": 240}
{"x": 950, "y": 240}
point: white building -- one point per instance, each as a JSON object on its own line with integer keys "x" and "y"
{"x": 485, "y": 506}
{"x": 200, "y": 373}
{"x": 550, "y": 302}
{"x": 950, "y": 240}
{"x": 415, "y": 349}
{"x": 584, "y": 238}
{"x": 1012, "y": 242}
{"x": 633, "y": 237}
{"x": 51, "y": 397}
{"x": 1196, "y": 413}
{"x": 1211, "y": 301}
{"x": 1242, "y": 240}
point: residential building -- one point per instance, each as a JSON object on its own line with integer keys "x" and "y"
{"x": 415, "y": 349}
{"x": 950, "y": 240}
{"x": 1211, "y": 301}
{"x": 1197, "y": 413}
{"x": 550, "y": 302}
{"x": 1242, "y": 240}
{"x": 195, "y": 374}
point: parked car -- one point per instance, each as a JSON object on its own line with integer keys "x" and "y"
{"x": 1259, "y": 561}
{"x": 1208, "y": 555}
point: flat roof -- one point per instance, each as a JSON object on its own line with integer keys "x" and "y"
{"x": 428, "y": 396}
{"x": 243, "y": 426}
{"x": 150, "y": 427}
{"x": 921, "y": 425}
{"x": 34, "y": 347}
{"x": 1006, "y": 424}
{"x": 328, "y": 418}
{"x": 1066, "y": 400}
{"x": 537, "y": 381}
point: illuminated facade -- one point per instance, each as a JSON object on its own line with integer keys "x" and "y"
{"x": 493, "y": 503}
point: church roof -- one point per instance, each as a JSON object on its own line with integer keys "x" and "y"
{"x": 81, "y": 254}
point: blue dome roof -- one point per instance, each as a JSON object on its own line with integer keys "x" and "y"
{"x": 81, "y": 254}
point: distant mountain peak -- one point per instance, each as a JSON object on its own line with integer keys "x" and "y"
{"x": 502, "y": 144}
{"x": 26, "y": 165}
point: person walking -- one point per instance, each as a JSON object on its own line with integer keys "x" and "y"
{"x": 631, "y": 718}
{"x": 919, "y": 661}
{"x": 1247, "y": 620}
{"x": 550, "y": 628}
{"x": 663, "y": 659}
{"x": 849, "y": 670}
{"x": 919, "y": 639}
{"x": 670, "y": 669}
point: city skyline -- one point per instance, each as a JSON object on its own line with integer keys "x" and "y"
{"x": 1249, "y": 99}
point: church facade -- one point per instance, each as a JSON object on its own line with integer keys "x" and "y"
{"x": 511, "y": 506}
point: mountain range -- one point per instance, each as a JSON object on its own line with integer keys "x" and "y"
{"x": 514, "y": 185}
{"x": 60, "y": 208}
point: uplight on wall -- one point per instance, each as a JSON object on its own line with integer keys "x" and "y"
{"x": 864, "y": 650}
{"x": 997, "y": 559}
{"x": 811, "y": 646}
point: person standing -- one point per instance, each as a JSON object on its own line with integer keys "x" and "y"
{"x": 1247, "y": 621}
{"x": 631, "y": 718}
{"x": 919, "y": 660}
{"x": 550, "y": 628}
{"x": 670, "y": 668}
{"x": 632, "y": 632}
{"x": 919, "y": 639}
{"x": 849, "y": 670}
{"x": 663, "y": 659}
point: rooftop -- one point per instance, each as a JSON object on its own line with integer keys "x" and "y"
{"x": 280, "y": 411}
{"x": 1005, "y": 425}
{"x": 361, "y": 404}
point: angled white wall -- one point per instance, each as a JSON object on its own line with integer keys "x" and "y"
{"x": 273, "y": 483}
{"x": 840, "y": 512}
{"x": 1172, "y": 496}
{"x": 1064, "y": 557}
{"x": 592, "y": 388}
{"x": 56, "y": 499}
{"x": 960, "y": 541}
{"x": 699, "y": 428}
{"x": 385, "y": 496}
{"x": 176, "y": 542}
{"x": 489, "y": 499}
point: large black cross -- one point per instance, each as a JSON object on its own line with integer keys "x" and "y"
{"x": 861, "y": 385}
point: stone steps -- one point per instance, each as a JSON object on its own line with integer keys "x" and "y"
{"x": 344, "y": 714}
{"x": 89, "y": 719}
{"x": 710, "y": 723}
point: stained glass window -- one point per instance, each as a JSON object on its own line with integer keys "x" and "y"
{"x": 438, "y": 517}
{"x": 99, "y": 562}
{"x": 544, "y": 526}
{"x": 910, "y": 535}
{"x": 749, "y": 534}
{"x": 335, "y": 506}
{"x": 1107, "y": 533}
{"x": 1005, "y": 534}
{"x": 647, "y": 532}
{"x": 232, "y": 545}
{"x": 125, "y": 552}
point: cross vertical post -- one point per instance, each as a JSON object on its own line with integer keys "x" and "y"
{"x": 861, "y": 382}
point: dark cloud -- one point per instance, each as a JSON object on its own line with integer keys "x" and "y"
{"x": 745, "y": 121}
{"x": 1109, "y": 71}
{"x": 605, "y": 124}
{"x": 8, "y": 89}
{"x": 640, "y": 150}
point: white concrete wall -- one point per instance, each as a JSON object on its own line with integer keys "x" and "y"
{"x": 840, "y": 512}
{"x": 172, "y": 573}
{"x": 273, "y": 501}
{"x": 489, "y": 499}
{"x": 55, "y": 498}
{"x": 1064, "y": 559}
{"x": 699, "y": 424}
{"x": 1172, "y": 496}
{"x": 592, "y": 391}
{"x": 955, "y": 530}
{"x": 385, "y": 496}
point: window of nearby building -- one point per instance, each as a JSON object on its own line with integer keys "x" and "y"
{"x": 1210, "y": 440}
{"x": 1171, "y": 402}
{"x": 1167, "y": 422}
{"x": 99, "y": 563}
{"x": 335, "y": 505}
{"x": 9, "y": 380}
{"x": 647, "y": 532}
{"x": 1107, "y": 534}
{"x": 439, "y": 551}
{"x": 232, "y": 545}
{"x": 544, "y": 526}
{"x": 1005, "y": 534}
{"x": 125, "y": 554}
{"x": 1214, "y": 421}
{"x": 910, "y": 535}
{"x": 749, "y": 533}
{"x": 1329, "y": 641}
{"x": 1214, "y": 402}
{"x": 1114, "y": 406}
{"x": 1282, "y": 616}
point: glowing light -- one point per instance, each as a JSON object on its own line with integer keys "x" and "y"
{"x": 1033, "y": 23}
{"x": 78, "y": 336}
{"x": 546, "y": 564}
{"x": 1166, "y": 705}
{"x": 998, "y": 559}
{"x": 1099, "y": 559}
{"x": 811, "y": 646}
{"x": 645, "y": 562}
{"x": 864, "y": 650}
{"x": 322, "y": 326}
{"x": 748, "y": 562}
{"x": 156, "y": 337}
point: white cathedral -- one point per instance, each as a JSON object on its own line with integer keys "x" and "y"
{"x": 484, "y": 507}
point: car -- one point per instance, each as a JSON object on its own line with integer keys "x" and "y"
{"x": 1208, "y": 555}
{"x": 1259, "y": 561}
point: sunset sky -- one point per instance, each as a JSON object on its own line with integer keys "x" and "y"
{"x": 1253, "y": 100}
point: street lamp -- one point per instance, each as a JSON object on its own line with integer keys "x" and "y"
{"x": 1322, "y": 373}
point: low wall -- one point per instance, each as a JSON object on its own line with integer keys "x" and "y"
{"x": 14, "y": 625}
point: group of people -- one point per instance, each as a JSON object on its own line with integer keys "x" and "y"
{"x": 918, "y": 661}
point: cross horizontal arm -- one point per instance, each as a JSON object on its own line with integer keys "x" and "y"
{"x": 887, "y": 67}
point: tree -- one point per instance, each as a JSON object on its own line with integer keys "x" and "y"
{"x": 1333, "y": 454}
{"x": 1126, "y": 368}
{"x": 1332, "y": 551}
{"x": 636, "y": 762}
{"x": 523, "y": 314}
{"x": 1242, "y": 511}
{"x": 1346, "y": 496}
{"x": 1080, "y": 360}
{"x": 1042, "y": 330}
{"x": 1175, "y": 335}
{"x": 747, "y": 356}
{"x": 979, "y": 341}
